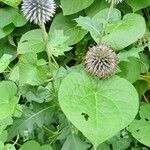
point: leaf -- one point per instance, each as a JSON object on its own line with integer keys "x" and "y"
{"x": 4, "y": 62}
{"x": 57, "y": 43}
{"x": 31, "y": 117}
{"x": 130, "y": 70}
{"x": 9, "y": 147}
{"x": 34, "y": 145}
{"x": 92, "y": 104}
{"x": 137, "y": 5}
{"x": 13, "y": 3}
{"x": 133, "y": 52}
{"x": 8, "y": 100}
{"x": 68, "y": 25}
{"x": 74, "y": 6}
{"x": 140, "y": 129}
{"x": 31, "y": 71}
{"x": 31, "y": 41}
{"x": 10, "y": 18}
{"x": 125, "y": 32}
{"x": 73, "y": 142}
{"x": 93, "y": 26}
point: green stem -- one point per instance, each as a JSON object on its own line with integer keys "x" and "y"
{"x": 48, "y": 130}
{"x": 107, "y": 18}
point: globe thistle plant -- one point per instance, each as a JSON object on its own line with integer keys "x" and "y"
{"x": 101, "y": 61}
{"x": 114, "y": 1}
{"x": 38, "y": 11}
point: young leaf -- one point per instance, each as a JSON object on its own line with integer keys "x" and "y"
{"x": 91, "y": 25}
{"x": 140, "y": 129}
{"x": 57, "y": 43}
{"x": 74, "y": 6}
{"x": 13, "y": 3}
{"x": 92, "y": 104}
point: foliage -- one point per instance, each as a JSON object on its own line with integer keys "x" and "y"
{"x": 48, "y": 101}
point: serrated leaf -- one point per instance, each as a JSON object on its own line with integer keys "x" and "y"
{"x": 57, "y": 43}
{"x": 74, "y": 6}
{"x": 30, "y": 72}
{"x": 91, "y": 25}
{"x": 68, "y": 25}
{"x": 4, "y": 62}
{"x": 92, "y": 104}
{"x": 13, "y": 3}
{"x": 31, "y": 117}
{"x": 125, "y": 32}
{"x": 133, "y": 52}
{"x": 31, "y": 41}
{"x": 140, "y": 129}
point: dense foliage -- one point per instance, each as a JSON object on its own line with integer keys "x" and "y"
{"x": 50, "y": 99}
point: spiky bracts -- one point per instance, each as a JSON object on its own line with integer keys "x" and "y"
{"x": 38, "y": 11}
{"x": 101, "y": 61}
{"x": 114, "y": 1}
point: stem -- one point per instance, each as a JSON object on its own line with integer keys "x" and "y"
{"x": 48, "y": 130}
{"x": 107, "y": 18}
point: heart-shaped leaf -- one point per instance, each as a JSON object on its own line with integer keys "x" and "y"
{"x": 98, "y": 108}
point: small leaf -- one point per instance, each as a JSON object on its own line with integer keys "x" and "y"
{"x": 133, "y": 52}
{"x": 13, "y": 3}
{"x": 92, "y": 104}
{"x": 4, "y": 62}
{"x": 91, "y": 25}
{"x": 57, "y": 43}
{"x": 140, "y": 129}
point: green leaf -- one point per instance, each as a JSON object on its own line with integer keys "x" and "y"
{"x": 91, "y": 25}
{"x": 68, "y": 25}
{"x": 140, "y": 129}
{"x": 10, "y": 18}
{"x": 35, "y": 146}
{"x": 9, "y": 147}
{"x": 31, "y": 71}
{"x": 92, "y": 104}
{"x": 125, "y": 32}
{"x": 137, "y": 5}
{"x": 74, "y": 6}
{"x": 133, "y": 52}
{"x": 31, "y": 117}
{"x": 31, "y": 41}
{"x": 130, "y": 70}
{"x": 57, "y": 43}
{"x": 73, "y": 142}
{"x": 4, "y": 62}
{"x": 8, "y": 100}
{"x": 13, "y": 3}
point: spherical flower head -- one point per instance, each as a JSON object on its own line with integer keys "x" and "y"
{"x": 114, "y": 1}
{"x": 101, "y": 61}
{"x": 38, "y": 11}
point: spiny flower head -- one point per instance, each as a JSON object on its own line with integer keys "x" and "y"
{"x": 101, "y": 61}
{"x": 38, "y": 11}
{"x": 114, "y": 1}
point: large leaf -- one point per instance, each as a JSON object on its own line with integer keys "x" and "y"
{"x": 74, "y": 6}
{"x": 93, "y": 26}
{"x": 140, "y": 129}
{"x": 31, "y": 41}
{"x": 70, "y": 28}
{"x": 137, "y": 5}
{"x": 125, "y": 32}
{"x": 92, "y": 104}
{"x": 8, "y": 100}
